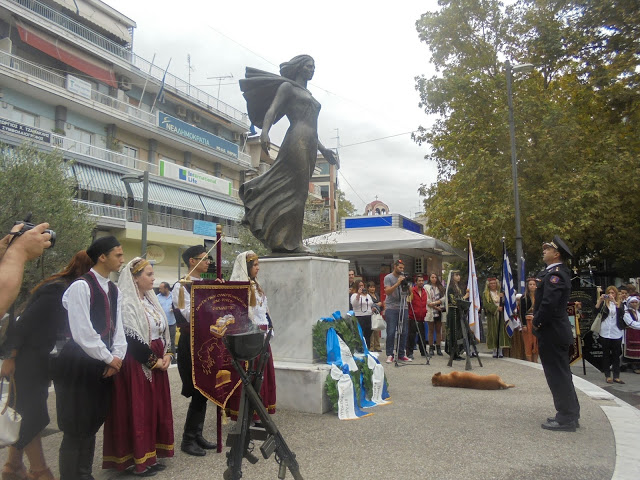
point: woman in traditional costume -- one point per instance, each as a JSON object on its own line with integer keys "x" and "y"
{"x": 245, "y": 269}
{"x": 632, "y": 335}
{"x": 526, "y": 317}
{"x": 493, "y": 305}
{"x": 139, "y": 427}
{"x": 31, "y": 339}
{"x": 435, "y": 297}
{"x": 274, "y": 202}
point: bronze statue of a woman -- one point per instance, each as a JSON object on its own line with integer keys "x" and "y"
{"x": 274, "y": 202}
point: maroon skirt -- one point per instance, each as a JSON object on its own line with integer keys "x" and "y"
{"x": 139, "y": 427}
{"x": 632, "y": 345}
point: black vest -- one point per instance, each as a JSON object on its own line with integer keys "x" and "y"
{"x": 103, "y": 308}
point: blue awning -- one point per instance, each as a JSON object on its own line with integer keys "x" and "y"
{"x": 169, "y": 197}
{"x": 98, "y": 180}
{"x": 219, "y": 208}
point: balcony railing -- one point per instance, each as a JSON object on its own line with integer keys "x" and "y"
{"x": 26, "y": 67}
{"x": 145, "y": 66}
{"x": 31, "y": 69}
{"x": 103, "y": 210}
{"x": 154, "y": 218}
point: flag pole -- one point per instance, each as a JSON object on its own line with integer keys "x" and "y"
{"x": 502, "y": 286}
{"x": 161, "y": 86}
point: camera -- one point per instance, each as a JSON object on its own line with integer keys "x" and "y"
{"x": 405, "y": 283}
{"x": 27, "y": 225}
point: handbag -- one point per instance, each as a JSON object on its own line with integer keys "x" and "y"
{"x": 377, "y": 322}
{"x": 597, "y": 323}
{"x": 9, "y": 418}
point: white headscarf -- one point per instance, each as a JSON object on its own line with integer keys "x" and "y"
{"x": 240, "y": 274}
{"x": 134, "y": 319}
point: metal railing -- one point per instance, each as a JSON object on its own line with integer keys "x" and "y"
{"x": 154, "y": 218}
{"x": 25, "y": 66}
{"x": 103, "y": 210}
{"x": 71, "y": 145}
{"x": 31, "y": 69}
{"x": 145, "y": 66}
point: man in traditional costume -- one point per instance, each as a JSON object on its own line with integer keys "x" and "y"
{"x": 94, "y": 353}
{"x": 551, "y": 326}
{"x": 454, "y": 312}
{"x": 193, "y": 443}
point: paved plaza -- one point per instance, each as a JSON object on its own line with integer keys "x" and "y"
{"x": 436, "y": 433}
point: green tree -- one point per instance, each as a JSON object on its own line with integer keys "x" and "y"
{"x": 35, "y": 182}
{"x": 345, "y": 207}
{"x": 574, "y": 149}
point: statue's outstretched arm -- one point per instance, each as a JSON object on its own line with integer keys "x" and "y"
{"x": 282, "y": 95}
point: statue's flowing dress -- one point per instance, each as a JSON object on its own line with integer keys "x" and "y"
{"x": 274, "y": 202}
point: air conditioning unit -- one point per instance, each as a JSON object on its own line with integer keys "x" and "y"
{"x": 125, "y": 84}
{"x": 196, "y": 117}
{"x": 181, "y": 111}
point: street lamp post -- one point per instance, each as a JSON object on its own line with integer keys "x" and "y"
{"x": 144, "y": 178}
{"x": 526, "y": 67}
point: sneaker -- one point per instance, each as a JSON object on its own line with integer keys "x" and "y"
{"x": 411, "y": 357}
{"x": 390, "y": 359}
{"x": 405, "y": 359}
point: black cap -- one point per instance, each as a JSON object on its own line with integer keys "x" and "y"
{"x": 102, "y": 245}
{"x": 560, "y": 246}
{"x": 191, "y": 252}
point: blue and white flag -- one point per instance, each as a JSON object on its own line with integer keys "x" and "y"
{"x": 474, "y": 296}
{"x": 342, "y": 363}
{"x": 379, "y": 395}
{"x": 510, "y": 315}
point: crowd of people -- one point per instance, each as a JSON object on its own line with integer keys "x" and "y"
{"x": 114, "y": 345}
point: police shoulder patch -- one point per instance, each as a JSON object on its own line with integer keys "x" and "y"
{"x": 554, "y": 279}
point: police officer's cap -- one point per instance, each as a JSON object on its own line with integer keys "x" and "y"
{"x": 560, "y": 246}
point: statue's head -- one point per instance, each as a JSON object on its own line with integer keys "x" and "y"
{"x": 297, "y": 65}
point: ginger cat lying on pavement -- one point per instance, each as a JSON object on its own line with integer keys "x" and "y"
{"x": 469, "y": 380}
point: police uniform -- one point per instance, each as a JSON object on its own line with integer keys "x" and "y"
{"x": 552, "y": 327}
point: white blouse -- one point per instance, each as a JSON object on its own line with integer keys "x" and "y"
{"x": 261, "y": 309}
{"x": 609, "y": 326}
{"x": 362, "y": 307}
{"x": 157, "y": 322}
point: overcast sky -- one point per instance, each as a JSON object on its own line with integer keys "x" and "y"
{"x": 367, "y": 54}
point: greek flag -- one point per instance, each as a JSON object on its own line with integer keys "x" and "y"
{"x": 508, "y": 288}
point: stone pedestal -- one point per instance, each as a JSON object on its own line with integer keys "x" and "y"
{"x": 300, "y": 291}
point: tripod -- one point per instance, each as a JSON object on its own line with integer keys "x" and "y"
{"x": 420, "y": 329}
{"x": 400, "y": 326}
{"x": 240, "y": 437}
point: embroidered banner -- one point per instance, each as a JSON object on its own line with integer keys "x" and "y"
{"x": 224, "y": 306}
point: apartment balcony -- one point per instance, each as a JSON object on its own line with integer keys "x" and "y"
{"x": 45, "y": 16}
{"x": 28, "y": 73}
{"x": 116, "y": 217}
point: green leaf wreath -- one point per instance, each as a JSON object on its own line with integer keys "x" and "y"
{"x": 347, "y": 328}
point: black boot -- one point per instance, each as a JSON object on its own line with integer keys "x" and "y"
{"x": 68, "y": 457}
{"x": 85, "y": 462}
{"x": 432, "y": 350}
{"x": 200, "y": 440}
{"x": 189, "y": 444}
{"x": 438, "y": 349}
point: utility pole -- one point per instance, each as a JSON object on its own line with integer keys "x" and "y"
{"x": 190, "y": 68}
{"x": 223, "y": 77}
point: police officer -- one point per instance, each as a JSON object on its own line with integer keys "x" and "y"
{"x": 551, "y": 326}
